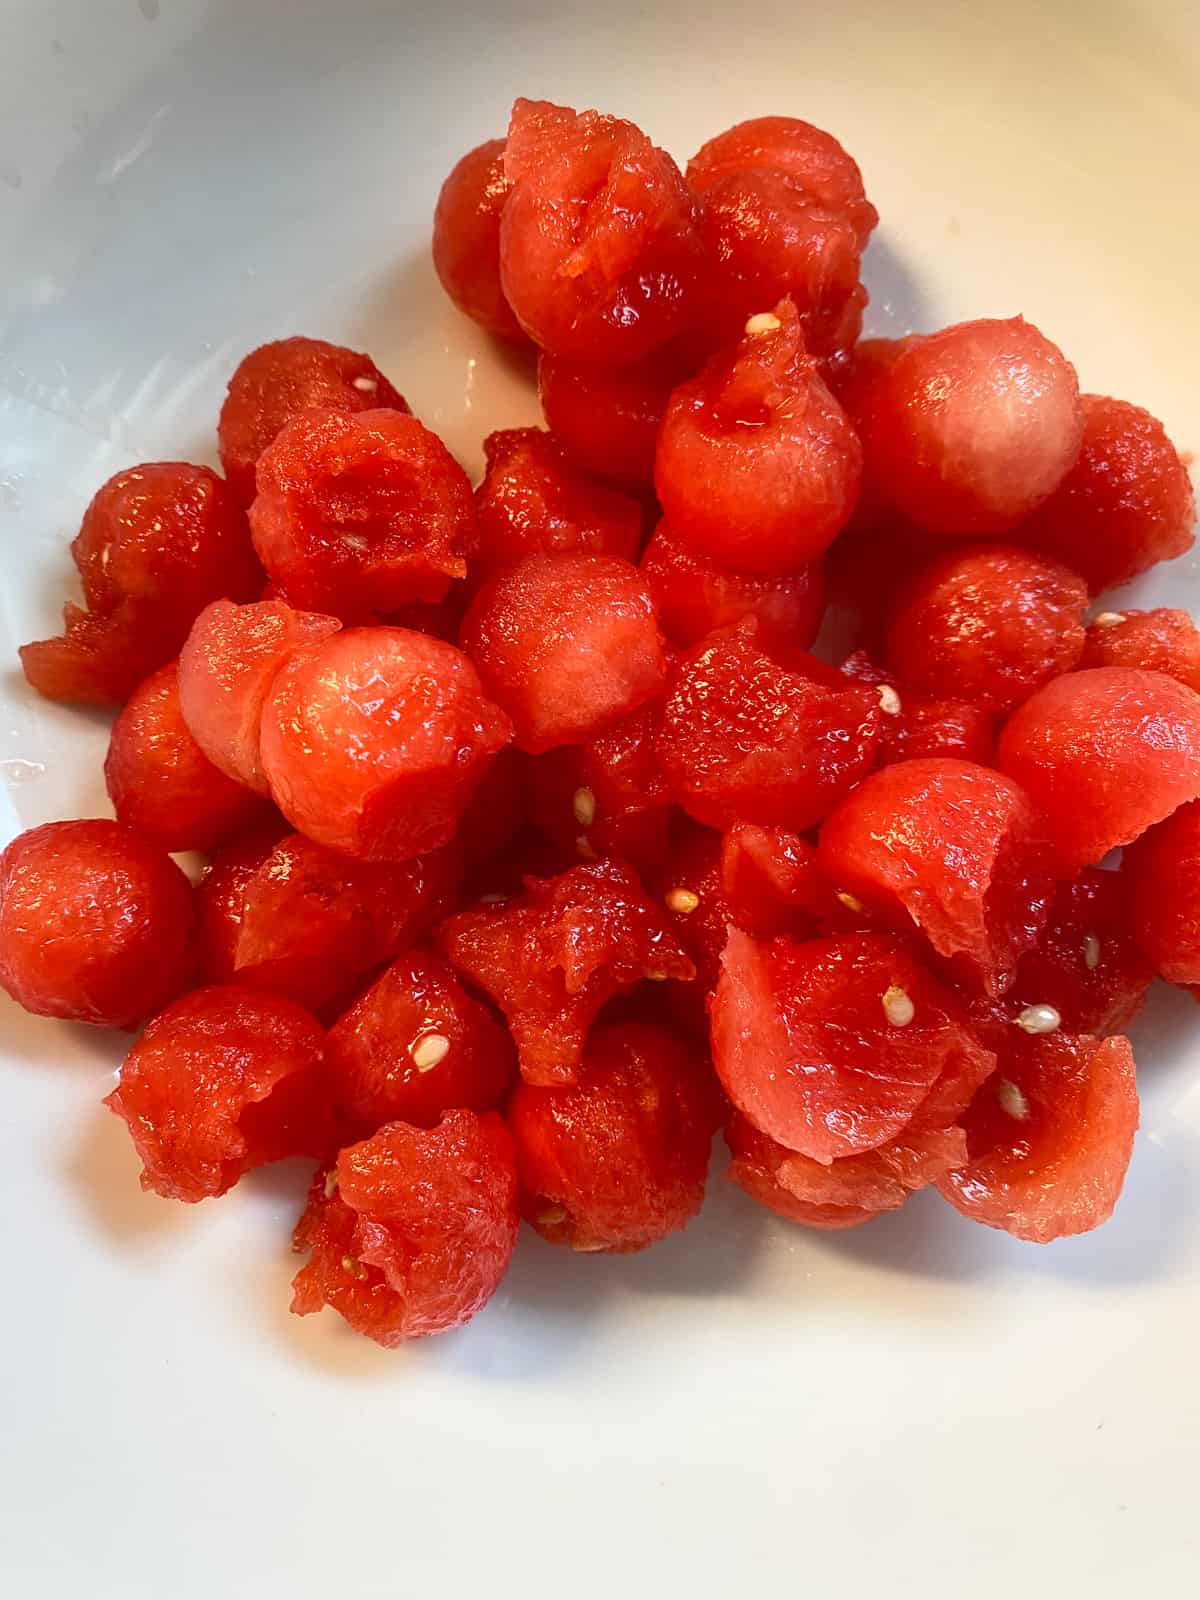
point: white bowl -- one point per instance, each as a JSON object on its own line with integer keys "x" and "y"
{"x": 921, "y": 1408}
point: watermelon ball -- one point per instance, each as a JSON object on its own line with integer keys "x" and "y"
{"x": 1154, "y": 641}
{"x": 767, "y": 239}
{"x": 466, "y": 239}
{"x": 410, "y": 1232}
{"x": 832, "y": 1046}
{"x": 223, "y": 1081}
{"x": 1126, "y": 502}
{"x": 168, "y": 534}
{"x": 757, "y": 465}
{"x": 956, "y": 850}
{"x": 1087, "y": 966}
{"x": 987, "y": 623}
{"x": 552, "y": 957}
{"x": 157, "y": 543}
{"x": 415, "y": 1046}
{"x": 975, "y": 426}
{"x": 695, "y": 596}
{"x": 358, "y": 515}
{"x": 807, "y": 155}
{"x": 566, "y": 645}
{"x": 599, "y": 248}
{"x": 276, "y": 382}
{"x": 607, "y": 797}
{"x": 845, "y": 1192}
{"x": 754, "y": 733}
{"x": 1104, "y": 755}
{"x": 96, "y": 923}
{"x": 534, "y": 502}
{"x": 607, "y": 418}
{"x": 226, "y": 668}
{"x": 616, "y": 1160}
{"x": 290, "y": 916}
{"x": 1166, "y": 895}
{"x": 1049, "y": 1137}
{"x": 162, "y": 784}
{"x": 374, "y": 739}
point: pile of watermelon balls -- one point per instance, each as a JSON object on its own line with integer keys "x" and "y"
{"x": 540, "y": 847}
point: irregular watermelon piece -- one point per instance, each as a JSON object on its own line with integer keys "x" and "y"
{"x": 1153, "y": 641}
{"x": 292, "y": 917}
{"x": 831, "y": 1046}
{"x": 773, "y": 883}
{"x": 952, "y": 848}
{"x": 607, "y": 797}
{"x": 1049, "y": 1137}
{"x": 755, "y": 733}
{"x": 1104, "y": 755}
{"x": 617, "y": 1160}
{"x": 551, "y": 958}
{"x": 914, "y": 727}
{"x": 157, "y": 543}
{"x": 1164, "y": 867}
{"x": 755, "y": 1169}
{"x": 224, "y": 1080}
{"x": 358, "y": 515}
{"x": 861, "y": 1186}
{"x": 415, "y": 1046}
{"x": 686, "y": 883}
{"x": 411, "y": 1231}
{"x": 1087, "y": 963}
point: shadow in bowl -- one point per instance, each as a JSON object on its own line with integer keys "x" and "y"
{"x": 715, "y": 1255}
{"x": 103, "y": 1170}
{"x": 897, "y": 305}
{"x": 44, "y": 1041}
{"x": 925, "y": 1238}
{"x": 1154, "y": 1220}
